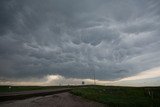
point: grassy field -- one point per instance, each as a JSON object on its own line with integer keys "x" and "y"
{"x": 121, "y": 96}
{"x": 4, "y": 89}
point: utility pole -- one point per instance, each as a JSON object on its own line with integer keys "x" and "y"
{"x": 94, "y": 77}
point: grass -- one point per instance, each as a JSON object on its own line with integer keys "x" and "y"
{"x": 121, "y": 96}
{"x": 4, "y": 89}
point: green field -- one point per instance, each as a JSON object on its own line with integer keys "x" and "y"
{"x": 121, "y": 96}
{"x": 4, "y": 89}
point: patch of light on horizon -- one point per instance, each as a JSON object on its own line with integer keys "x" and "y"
{"x": 152, "y": 73}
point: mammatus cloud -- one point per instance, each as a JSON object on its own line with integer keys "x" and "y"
{"x": 72, "y": 39}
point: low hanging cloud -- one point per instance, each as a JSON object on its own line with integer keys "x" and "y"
{"x": 73, "y": 39}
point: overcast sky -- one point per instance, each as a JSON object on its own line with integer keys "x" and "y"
{"x": 70, "y": 39}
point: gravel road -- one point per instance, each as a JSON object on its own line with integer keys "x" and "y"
{"x": 57, "y": 100}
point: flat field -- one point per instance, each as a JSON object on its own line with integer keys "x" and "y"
{"x": 4, "y": 89}
{"x": 114, "y": 96}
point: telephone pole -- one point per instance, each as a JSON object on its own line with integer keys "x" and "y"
{"x": 94, "y": 77}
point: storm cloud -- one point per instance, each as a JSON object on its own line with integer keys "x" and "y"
{"x": 74, "y": 38}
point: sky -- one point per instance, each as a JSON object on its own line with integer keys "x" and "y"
{"x": 53, "y": 42}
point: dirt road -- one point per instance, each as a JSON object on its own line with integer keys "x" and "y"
{"x": 57, "y": 100}
{"x": 28, "y": 94}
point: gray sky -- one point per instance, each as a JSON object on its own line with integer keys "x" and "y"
{"x": 72, "y": 38}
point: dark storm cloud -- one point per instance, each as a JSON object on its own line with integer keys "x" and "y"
{"x": 73, "y": 38}
{"x": 6, "y": 16}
